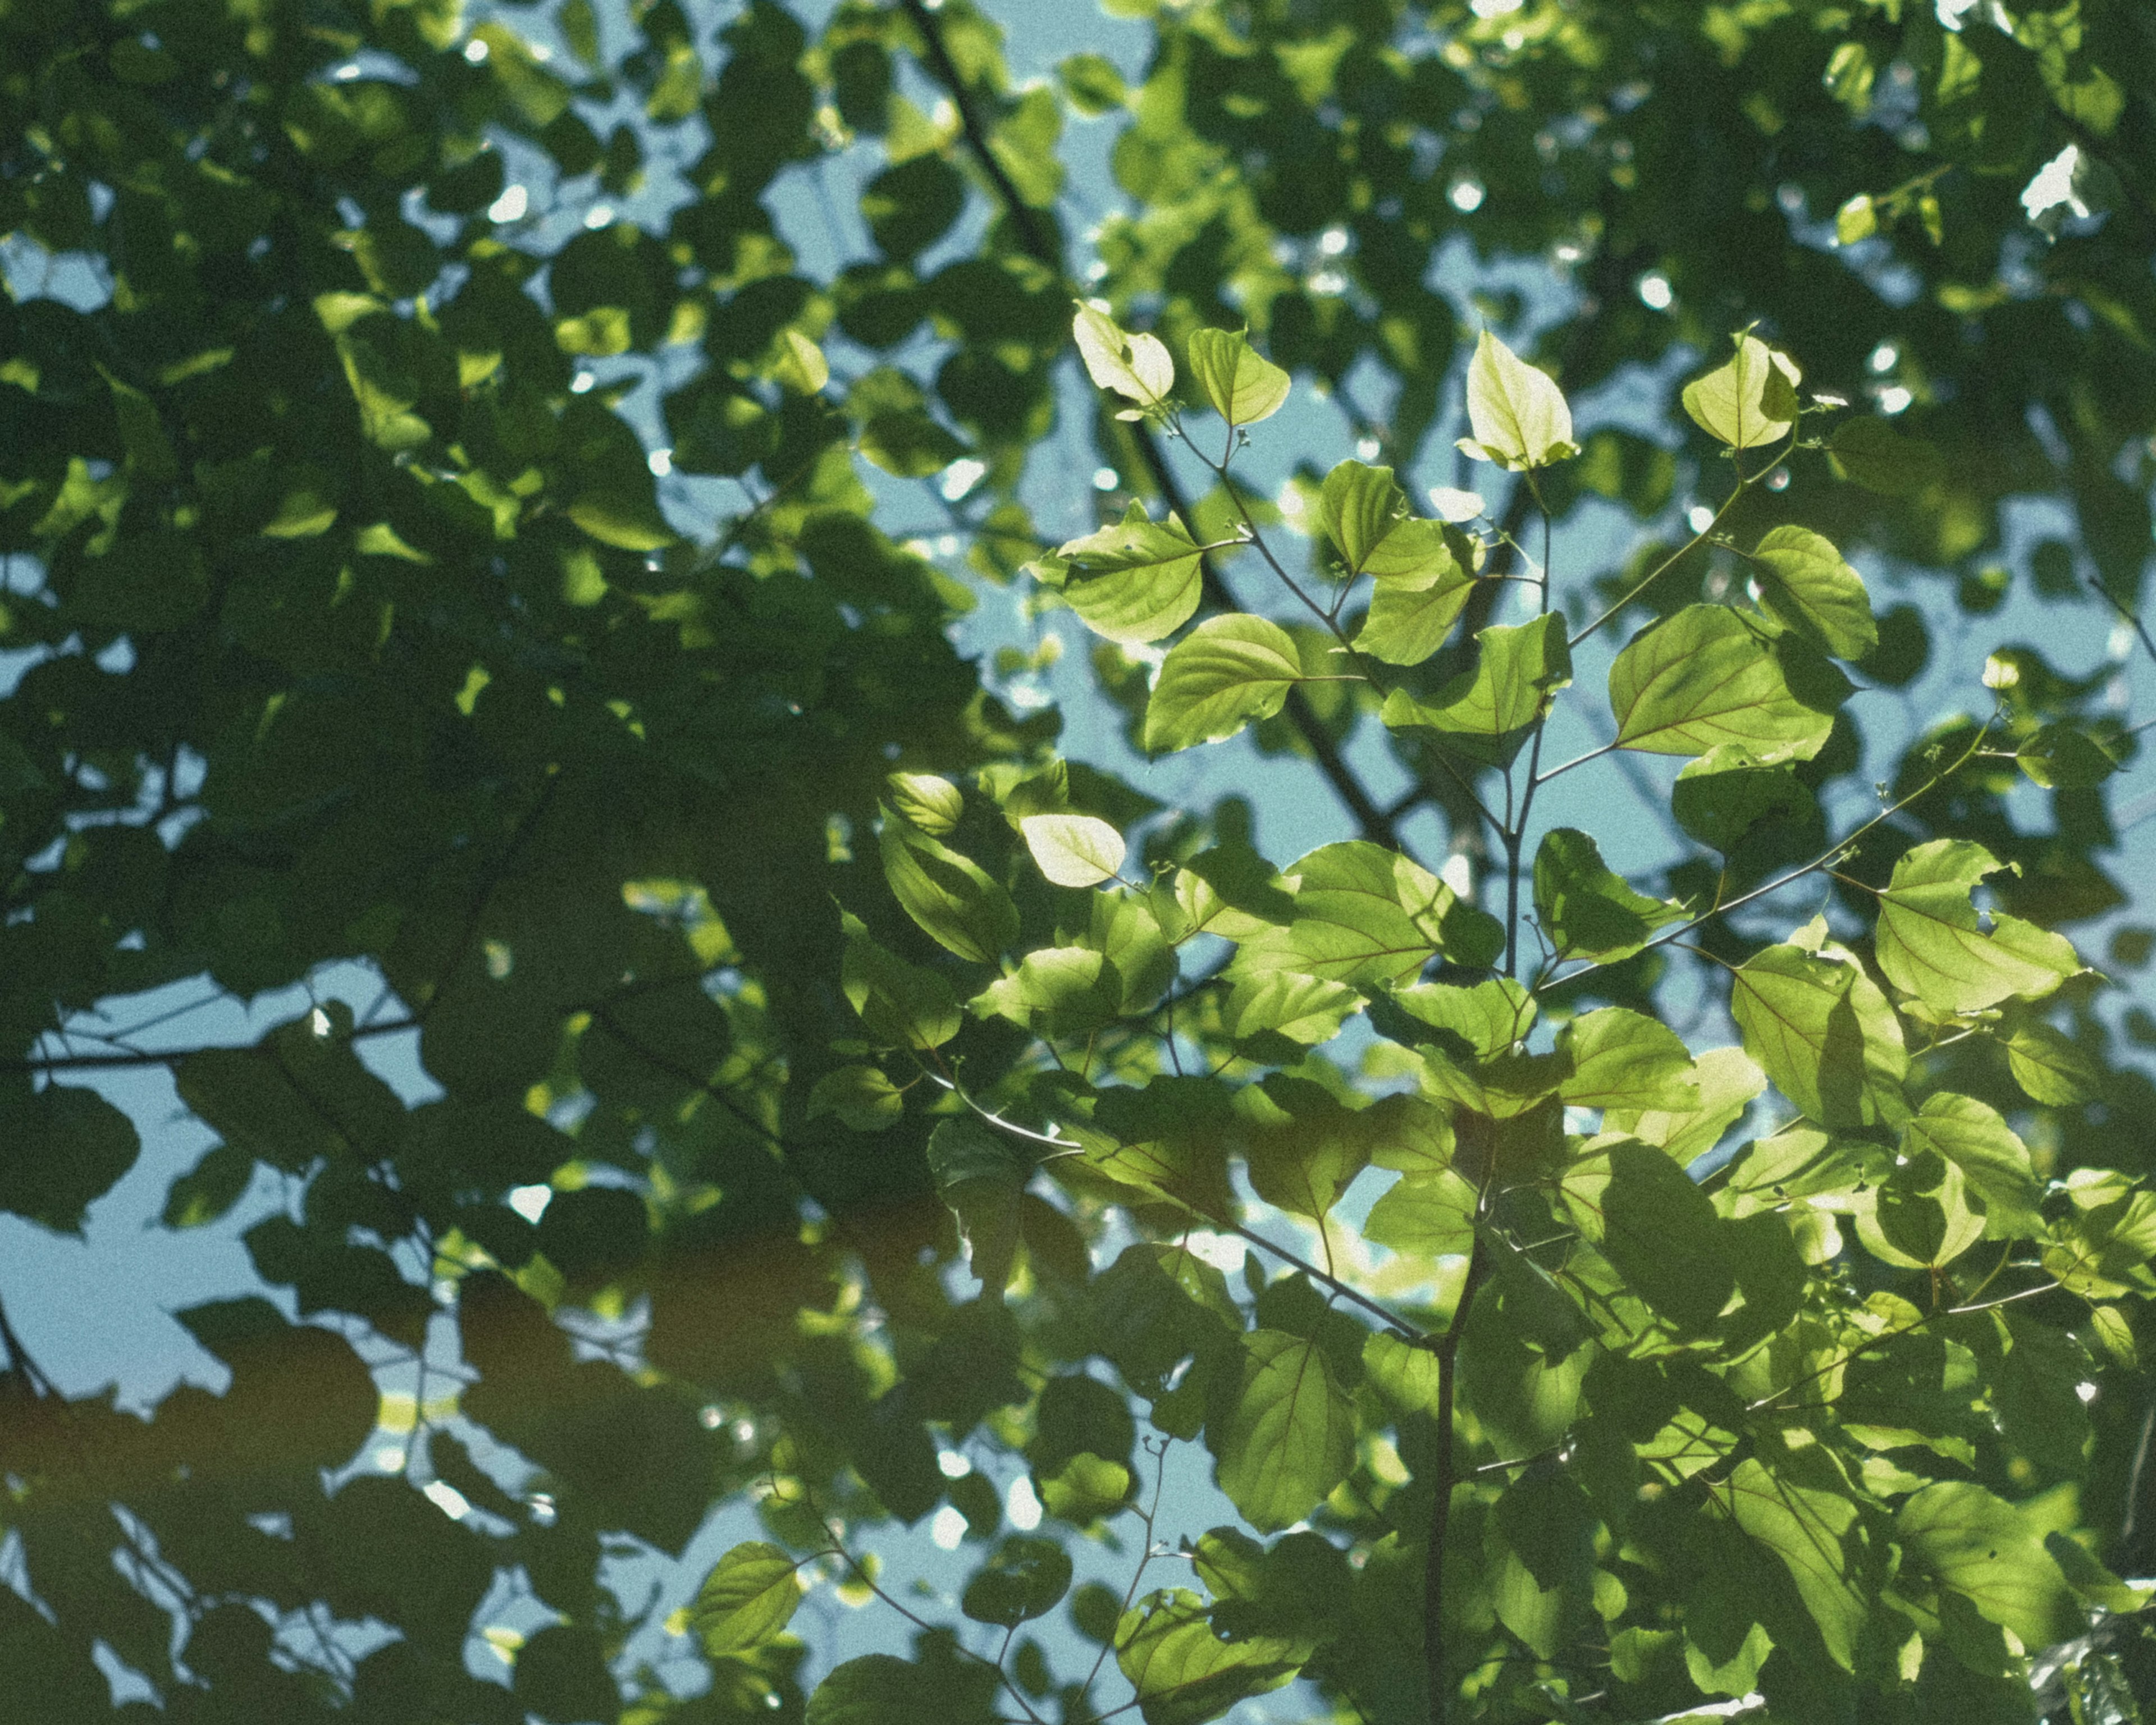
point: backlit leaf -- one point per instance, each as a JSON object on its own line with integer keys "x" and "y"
{"x": 1073, "y": 849}
{"x": 1930, "y": 945}
{"x": 1242, "y": 386}
{"x": 1223, "y": 675}
{"x": 1825, "y": 1033}
{"x": 1518, "y": 414}
{"x": 1588, "y": 911}
{"x": 1750, "y": 400}
{"x": 1290, "y": 1437}
{"x": 1487, "y": 714}
{"x": 750, "y": 1596}
{"x": 1134, "y": 367}
{"x": 1358, "y": 508}
{"x": 1136, "y": 580}
{"x": 1705, "y": 676}
{"x": 1804, "y": 581}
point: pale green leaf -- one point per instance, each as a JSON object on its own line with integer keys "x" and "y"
{"x": 1425, "y": 1216}
{"x": 1184, "y": 1672}
{"x": 1226, "y": 672}
{"x": 1073, "y": 849}
{"x": 899, "y": 1002}
{"x": 1930, "y": 943}
{"x": 1918, "y": 1217}
{"x": 1363, "y": 913}
{"x": 1704, "y": 676}
{"x": 1517, "y": 412}
{"x": 1242, "y": 386}
{"x": 1136, "y": 367}
{"x": 1986, "y": 1550}
{"x": 1357, "y": 507}
{"x": 1406, "y": 624}
{"x": 1488, "y": 713}
{"x": 801, "y": 365}
{"x": 1588, "y": 911}
{"x": 749, "y": 1597}
{"x": 1307, "y": 1009}
{"x": 1728, "y": 791}
{"x": 1810, "y": 1526}
{"x": 1141, "y": 578}
{"x": 2053, "y": 1068}
{"x": 1289, "y": 1436}
{"x": 927, "y": 803}
{"x": 1416, "y": 554}
{"x": 1056, "y": 991}
{"x": 949, "y": 895}
{"x": 1625, "y": 1061}
{"x": 1992, "y": 1160}
{"x": 1750, "y": 400}
{"x": 1825, "y": 1033}
{"x": 1804, "y": 581}
{"x": 1728, "y": 1078}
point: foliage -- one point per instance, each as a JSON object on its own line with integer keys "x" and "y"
{"x": 349, "y": 621}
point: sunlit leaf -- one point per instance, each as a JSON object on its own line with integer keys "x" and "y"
{"x": 1242, "y": 386}
{"x": 1518, "y": 414}
{"x": 1223, "y": 675}
{"x": 1932, "y": 945}
{"x": 1705, "y": 676}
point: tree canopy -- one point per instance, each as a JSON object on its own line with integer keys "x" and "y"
{"x": 463, "y": 530}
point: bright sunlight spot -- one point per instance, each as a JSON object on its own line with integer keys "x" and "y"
{"x": 1654, "y": 291}
{"x": 1021, "y": 1505}
{"x": 513, "y": 203}
{"x": 530, "y": 1202}
{"x": 1466, "y": 196}
{"x": 948, "y": 1528}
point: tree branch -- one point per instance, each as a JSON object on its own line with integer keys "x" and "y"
{"x": 1038, "y": 241}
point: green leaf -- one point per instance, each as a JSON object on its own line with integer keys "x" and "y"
{"x": 68, "y": 1147}
{"x": 1661, "y": 1232}
{"x": 1880, "y": 458}
{"x": 209, "y": 1190}
{"x": 1024, "y": 1579}
{"x": 1290, "y": 1437}
{"x": 749, "y": 1597}
{"x": 1241, "y": 385}
{"x": 2066, "y": 758}
{"x": 910, "y": 207}
{"x": 1304, "y": 1146}
{"x": 1184, "y": 1672}
{"x": 1918, "y": 1217}
{"x": 908, "y": 444}
{"x": 1727, "y": 1080}
{"x": 1995, "y": 1163}
{"x": 1728, "y": 791}
{"x": 1139, "y": 367}
{"x": 1625, "y": 1061}
{"x": 1974, "y": 1544}
{"x": 1518, "y": 414}
{"x": 627, "y": 521}
{"x": 982, "y": 1176}
{"x": 1486, "y": 714}
{"x": 926, "y": 802}
{"x": 2053, "y": 1068}
{"x": 1363, "y": 913}
{"x": 1704, "y": 676}
{"x": 1825, "y": 1033}
{"x": 1804, "y": 581}
{"x": 899, "y": 1001}
{"x": 1406, "y": 625}
{"x": 878, "y": 1689}
{"x": 1357, "y": 507}
{"x": 1075, "y": 850}
{"x": 1057, "y": 991}
{"x": 1307, "y": 1009}
{"x": 1142, "y": 578}
{"x": 1749, "y": 402}
{"x": 1930, "y": 944}
{"x": 1226, "y": 672}
{"x": 949, "y": 895}
{"x": 862, "y": 1097}
{"x": 1425, "y": 1216}
{"x": 1801, "y": 1511}
{"x": 1415, "y": 554}
{"x": 1587, "y": 911}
